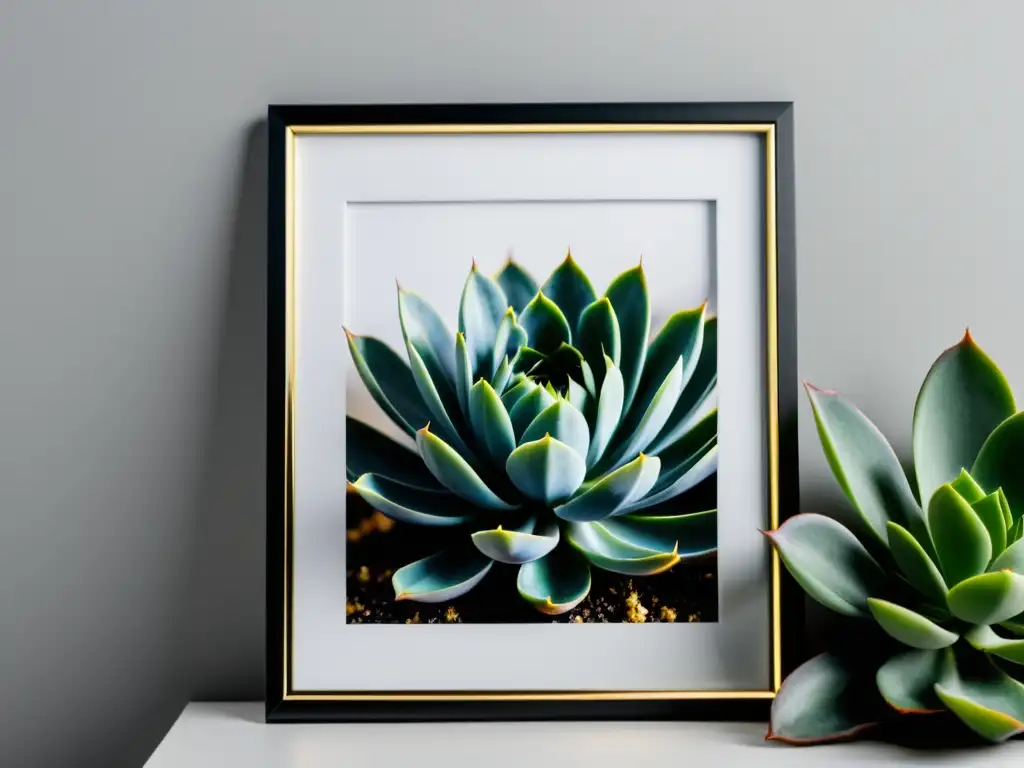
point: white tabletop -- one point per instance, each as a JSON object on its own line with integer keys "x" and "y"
{"x": 214, "y": 735}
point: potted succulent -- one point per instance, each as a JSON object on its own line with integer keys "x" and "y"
{"x": 939, "y": 572}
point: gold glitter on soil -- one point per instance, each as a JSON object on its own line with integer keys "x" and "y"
{"x": 364, "y": 575}
{"x": 635, "y": 612}
{"x": 451, "y": 614}
{"x": 668, "y": 614}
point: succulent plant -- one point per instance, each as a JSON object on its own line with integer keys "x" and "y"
{"x": 549, "y": 434}
{"x": 945, "y": 582}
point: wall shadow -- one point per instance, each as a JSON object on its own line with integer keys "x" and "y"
{"x": 226, "y": 600}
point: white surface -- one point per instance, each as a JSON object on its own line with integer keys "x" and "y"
{"x": 214, "y": 735}
{"x": 371, "y": 209}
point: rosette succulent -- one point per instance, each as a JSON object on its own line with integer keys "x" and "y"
{"x": 550, "y": 434}
{"x": 944, "y": 580}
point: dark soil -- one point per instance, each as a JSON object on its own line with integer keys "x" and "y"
{"x": 377, "y": 547}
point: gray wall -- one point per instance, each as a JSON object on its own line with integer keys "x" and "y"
{"x": 132, "y": 299}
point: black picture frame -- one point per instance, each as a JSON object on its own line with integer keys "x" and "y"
{"x": 775, "y": 121}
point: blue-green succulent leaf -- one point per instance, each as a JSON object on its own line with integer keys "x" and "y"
{"x": 679, "y": 458}
{"x": 515, "y": 392}
{"x": 502, "y": 376}
{"x": 910, "y": 627}
{"x": 827, "y": 698}
{"x": 563, "y": 422}
{"x": 633, "y": 441}
{"x": 463, "y": 373}
{"x": 480, "y": 314}
{"x": 408, "y": 504}
{"x": 546, "y": 470}
{"x": 510, "y": 337}
{"x": 985, "y": 639}
{"x": 829, "y": 562}
{"x": 529, "y": 407}
{"x": 569, "y": 287}
{"x": 555, "y": 583}
{"x": 442, "y": 416}
{"x": 441, "y": 577}
{"x": 865, "y": 465}
{"x": 988, "y": 701}
{"x": 609, "y": 553}
{"x": 424, "y": 329}
{"x": 455, "y": 474}
{"x": 690, "y": 535}
{"x": 546, "y": 326}
{"x": 1011, "y": 559}
{"x": 605, "y": 496}
{"x": 988, "y": 598}
{"x": 518, "y": 545}
{"x": 699, "y": 393}
{"x": 966, "y": 486}
{"x": 579, "y": 397}
{"x": 961, "y": 540}
{"x": 389, "y": 381}
{"x": 517, "y": 284}
{"x": 963, "y": 398}
{"x": 915, "y": 564}
{"x": 628, "y": 296}
{"x": 597, "y": 336}
{"x": 907, "y": 680}
{"x": 990, "y": 513}
{"x": 491, "y": 423}
{"x": 367, "y": 450}
{"x": 589, "y": 382}
{"x": 609, "y": 409}
{"x": 701, "y": 469}
{"x": 528, "y": 360}
{"x": 999, "y": 462}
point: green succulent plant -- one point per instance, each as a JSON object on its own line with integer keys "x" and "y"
{"x": 549, "y": 434}
{"x": 945, "y": 582}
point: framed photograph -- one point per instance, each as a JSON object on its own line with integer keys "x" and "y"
{"x": 531, "y": 402}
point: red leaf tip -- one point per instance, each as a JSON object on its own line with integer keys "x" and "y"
{"x": 967, "y": 339}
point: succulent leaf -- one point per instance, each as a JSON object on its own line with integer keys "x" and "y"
{"x": 516, "y": 392}
{"x": 628, "y": 296}
{"x": 407, "y": 504}
{"x": 570, "y": 288}
{"x": 610, "y": 553}
{"x": 990, "y": 513}
{"x": 999, "y": 462}
{"x": 609, "y": 409}
{"x": 967, "y": 487}
{"x": 555, "y": 583}
{"x": 689, "y": 535}
{"x": 705, "y": 465}
{"x": 589, "y": 382}
{"x": 1011, "y": 559}
{"x": 963, "y": 398}
{"x": 608, "y": 494}
{"x": 656, "y": 413}
{"x": 962, "y": 543}
{"x": 597, "y": 335}
{"x": 507, "y": 341}
{"x": 1004, "y": 505}
{"x": 442, "y": 576}
{"x": 864, "y": 465}
{"x": 545, "y": 325}
{"x": 463, "y": 373}
{"x": 680, "y": 457}
{"x": 502, "y": 376}
{"x": 367, "y": 450}
{"x": 518, "y": 285}
{"x": 529, "y": 407}
{"x": 563, "y": 422}
{"x": 546, "y": 470}
{"x": 389, "y": 381}
{"x": 698, "y": 393}
{"x": 988, "y": 701}
{"x": 518, "y": 545}
{"x": 491, "y": 423}
{"x": 432, "y": 397}
{"x": 907, "y": 680}
{"x": 829, "y": 562}
{"x": 424, "y": 329}
{"x": 579, "y": 397}
{"x": 989, "y": 598}
{"x": 910, "y": 627}
{"x": 455, "y": 474}
{"x": 915, "y": 564}
{"x": 825, "y": 699}
{"x": 480, "y": 315}
{"x": 985, "y": 639}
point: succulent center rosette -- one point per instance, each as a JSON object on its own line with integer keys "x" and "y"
{"x": 550, "y": 434}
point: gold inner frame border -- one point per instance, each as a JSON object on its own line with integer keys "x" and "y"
{"x": 767, "y": 130}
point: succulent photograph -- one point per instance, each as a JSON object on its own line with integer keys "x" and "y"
{"x": 559, "y": 463}
{"x": 932, "y": 579}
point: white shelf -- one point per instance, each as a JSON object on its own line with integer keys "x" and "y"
{"x": 215, "y": 735}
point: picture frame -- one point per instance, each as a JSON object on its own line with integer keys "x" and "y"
{"x": 764, "y": 134}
